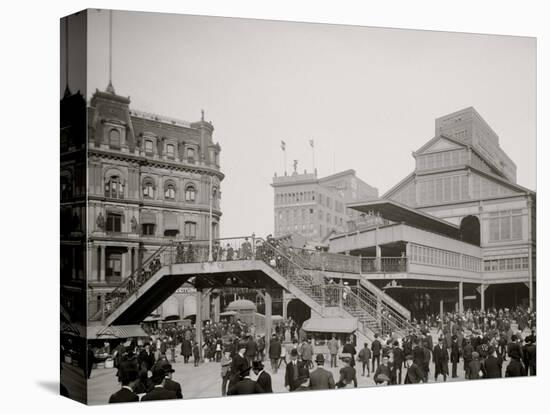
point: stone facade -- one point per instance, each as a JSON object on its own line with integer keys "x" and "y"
{"x": 148, "y": 179}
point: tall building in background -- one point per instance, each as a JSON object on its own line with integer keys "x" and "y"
{"x": 149, "y": 181}
{"x": 462, "y": 225}
{"x": 313, "y": 207}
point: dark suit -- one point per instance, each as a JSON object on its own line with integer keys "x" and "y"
{"x": 441, "y": 361}
{"x": 274, "y": 354}
{"x": 238, "y": 365}
{"x": 159, "y": 393}
{"x": 123, "y": 395}
{"x": 245, "y": 386}
{"x": 413, "y": 375}
{"x": 375, "y": 347}
{"x": 493, "y": 367}
{"x": 321, "y": 379}
{"x": 171, "y": 385}
{"x": 515, "y": 368}
{"x": 455, "y": 358}
{"x": 294, "y": 374}
{"x": 264, "y": 381}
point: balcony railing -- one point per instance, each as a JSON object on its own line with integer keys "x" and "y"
{"x": 384, "y": 264}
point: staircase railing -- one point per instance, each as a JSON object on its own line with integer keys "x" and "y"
{"x": 130, "y": 284}
{"x": 388, "y": 318}
{"x": 295, "y": 268}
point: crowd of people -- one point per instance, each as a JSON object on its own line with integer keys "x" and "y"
{"x": 479, "y": 342}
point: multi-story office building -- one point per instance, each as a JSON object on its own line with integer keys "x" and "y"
{"x": 316, "y": 207}
{"x": 149, "y": 180}
{"x": 457, "y": 231}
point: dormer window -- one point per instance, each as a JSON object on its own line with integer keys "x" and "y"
{"x": 114, "y": 138}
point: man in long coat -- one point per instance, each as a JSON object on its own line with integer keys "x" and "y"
{"x": 441, "y": 360}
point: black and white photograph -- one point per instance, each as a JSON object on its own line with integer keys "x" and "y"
{"x": 259, "y": 206}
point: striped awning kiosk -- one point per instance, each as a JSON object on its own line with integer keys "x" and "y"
{"x": 330, "y": 325}
{"x": 115, "y": 331}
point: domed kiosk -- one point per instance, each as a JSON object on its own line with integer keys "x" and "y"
{"x": 247, "y": 311}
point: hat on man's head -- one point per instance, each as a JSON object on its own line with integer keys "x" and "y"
{"x": 257, "y": 365}
{"x": 168, "y": 368}
{"x": 345, "y": 356}
{"x": 320, "y": 359}
{"x": 294, "y": 352}
{"x": 408, "y": 357}
{"x": 158, "y": 375}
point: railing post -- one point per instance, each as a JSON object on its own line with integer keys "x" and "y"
{"x": 102, "y": 304}
{"x": 253, "y": 246}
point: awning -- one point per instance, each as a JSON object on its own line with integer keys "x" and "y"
{"x": 336, "y": 325}
{"x": 115, "y": 331}
{"x": 399, "y": 213}
{"x": 170, "y": 221}
{"x": 148, "y": 217}
{"x": 228, "y": 313}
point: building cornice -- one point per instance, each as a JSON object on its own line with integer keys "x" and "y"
{"x": 164, "y": 164}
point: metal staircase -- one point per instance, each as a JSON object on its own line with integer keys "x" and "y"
{"x": 312, "y": 286}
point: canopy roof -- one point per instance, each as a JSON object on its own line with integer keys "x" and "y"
{"x": 115, "y": 331}
{"x": 241, "y": 304}
{"x": 399, "y": 213}
{"x": 335, "y": 325}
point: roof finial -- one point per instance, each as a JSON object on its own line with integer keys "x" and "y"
{"x": 202, "y": 115}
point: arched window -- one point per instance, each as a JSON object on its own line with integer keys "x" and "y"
{"x": 149, "y": 147}
{"x": 114, "y": 187}
{"x": 191, "y": 155}
{"x": 148, "y": 189}
{"x": 114, "y": 138}
{"x": 190, "y": 193}
{"x": 170, "y": 191}
{"x": 170, "y": 151}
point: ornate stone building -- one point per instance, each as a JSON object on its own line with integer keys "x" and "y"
{"x": 149, "y": 181}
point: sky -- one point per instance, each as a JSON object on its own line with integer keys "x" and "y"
{"x": 368, "y": 97}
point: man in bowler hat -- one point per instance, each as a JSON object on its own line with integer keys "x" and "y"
{"x": 320, "y": 378}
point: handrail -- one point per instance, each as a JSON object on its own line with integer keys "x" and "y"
{"x": 383, "y": 311}
{"x": 124, "y": 289}
{"x": 293, "y": 267}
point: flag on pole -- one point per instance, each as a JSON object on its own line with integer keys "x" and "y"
{"x": 283, "y": 145}
{"x": 311, "y": 143}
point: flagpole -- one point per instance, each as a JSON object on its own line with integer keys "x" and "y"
{"x": 311, "y": 142}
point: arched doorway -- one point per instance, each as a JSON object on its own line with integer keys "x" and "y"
{"x": 470, "y": 230}
{"x": 298, "y": 311}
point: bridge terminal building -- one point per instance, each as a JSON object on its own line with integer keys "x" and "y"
{"x": 456, "y": 233}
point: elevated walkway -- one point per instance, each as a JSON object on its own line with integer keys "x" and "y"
{"x": 263, "y": 267}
